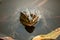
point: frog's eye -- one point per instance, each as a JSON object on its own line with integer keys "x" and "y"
{"x": 31, "y": 15}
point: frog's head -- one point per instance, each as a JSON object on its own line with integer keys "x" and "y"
{"x": 29, "y": 17}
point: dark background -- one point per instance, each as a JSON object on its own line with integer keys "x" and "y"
{"x": 11, "y": 26}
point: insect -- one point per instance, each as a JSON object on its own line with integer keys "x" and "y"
{"x": 29, "y": 19}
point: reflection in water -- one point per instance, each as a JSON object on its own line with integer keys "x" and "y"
{"x": 30, "y": 29}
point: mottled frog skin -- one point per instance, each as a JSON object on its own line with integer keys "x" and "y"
{"x": 25, "y": 21}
